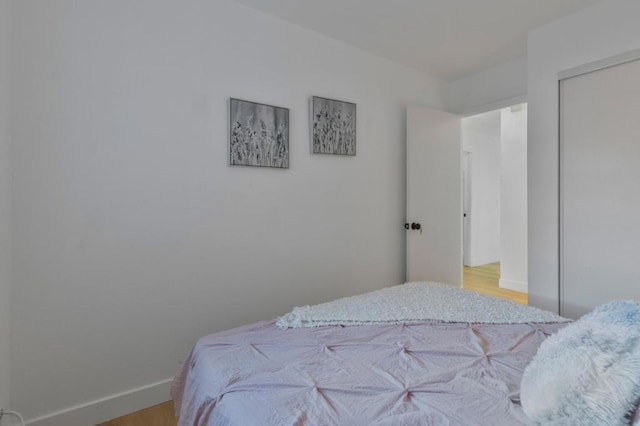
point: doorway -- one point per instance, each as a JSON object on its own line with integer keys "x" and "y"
{"x": 494, "y": 160}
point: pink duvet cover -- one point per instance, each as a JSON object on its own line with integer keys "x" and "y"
{"x": 421, "y": 374}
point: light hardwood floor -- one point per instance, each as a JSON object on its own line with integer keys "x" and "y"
{"x": 484, "y": 279}
{"x": 160, "y": 415}
{"x": 481, "y": 279}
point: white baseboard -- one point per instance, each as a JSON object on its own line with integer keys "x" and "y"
{"x": 514, "y": 285}
{"x": 108, "y": 408}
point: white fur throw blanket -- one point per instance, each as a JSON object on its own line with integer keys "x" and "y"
{"x": 589, "y": 372}
{"x": 413, "y": 302}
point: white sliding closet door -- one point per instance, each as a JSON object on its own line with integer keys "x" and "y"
{"x": 600, "y": 188}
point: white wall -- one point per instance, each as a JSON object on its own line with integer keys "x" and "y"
{"x": 481, "y": 137}
{"x": 133, "y": 237}
{"x": 5, "y": 198}
{"x": 513, "y": 206}
{"x": 490, "y": 89}
{"x": 609, "y": 28}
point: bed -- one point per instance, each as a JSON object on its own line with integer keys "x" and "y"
{"x": 417, "y": 354}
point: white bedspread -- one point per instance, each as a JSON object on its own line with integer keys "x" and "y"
{"x": 413, "y": 302}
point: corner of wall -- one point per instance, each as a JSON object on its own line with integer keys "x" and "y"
{"x": 603, "y": 30}
{"x": 5, "y": 200}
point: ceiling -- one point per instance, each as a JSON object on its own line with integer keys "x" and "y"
{"x": 445, "y": 38}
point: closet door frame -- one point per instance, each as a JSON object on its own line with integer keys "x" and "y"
{"x": 590, "y": 67}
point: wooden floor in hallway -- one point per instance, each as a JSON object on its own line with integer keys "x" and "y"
{"x": 484, "y": 279}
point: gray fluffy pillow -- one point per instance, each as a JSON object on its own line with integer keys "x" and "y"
{"x": 589, "y": 372}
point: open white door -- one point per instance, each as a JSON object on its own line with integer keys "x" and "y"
{"x": 434, "y": 196}
{"x": 466, "y": 208}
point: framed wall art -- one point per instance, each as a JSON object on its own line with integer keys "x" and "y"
{"x": 333, "y": 126}
{"x": 258, "y": 135}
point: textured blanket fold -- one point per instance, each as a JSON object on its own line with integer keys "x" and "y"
{"x": 414, "y": 302}
{"x": 587, "y": 374}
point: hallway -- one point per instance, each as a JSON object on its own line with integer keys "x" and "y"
{"x": 484, "y": 279}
